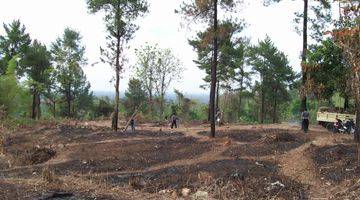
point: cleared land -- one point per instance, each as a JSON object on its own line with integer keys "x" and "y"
{"x": 86, "y": 160}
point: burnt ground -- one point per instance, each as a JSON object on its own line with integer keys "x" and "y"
{"x": 75, "y": 161}
{"x": 239, "y": 135}
{"x": 274, "y": 142}
{"x": 337, "y": 162}
{"x": 245, "y": 178}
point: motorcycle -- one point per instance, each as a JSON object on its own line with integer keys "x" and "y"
{"x": 347, "y": 127}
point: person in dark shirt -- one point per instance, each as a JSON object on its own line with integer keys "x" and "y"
{"x": 132, "y": 124}
{"x": 173, "y": 119}
{"x": 305, "y": 115}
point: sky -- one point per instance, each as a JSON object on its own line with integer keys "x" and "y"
{"x": 46, "y": 20}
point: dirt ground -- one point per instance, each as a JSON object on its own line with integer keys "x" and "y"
{"x": 86, "y": 160}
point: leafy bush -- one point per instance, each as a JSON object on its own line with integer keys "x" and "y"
{"x": 14, "y": 99}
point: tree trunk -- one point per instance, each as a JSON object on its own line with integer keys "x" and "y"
{"x": 36, "y": 112}
{"x": 357, "y": 130}
{"x": 262, "y": 112}
{"x": 346, "y": 103}
{"x": 151, "y": 101}
{"x": 33, "y": 108}
{"x": 217, "y": 95}
{"x": 240, "y": 102}
{"x": 38, "y": 108}
{"x": 303, "y": 57}
{"x": 73, "y": 113}
{"x": 54, "y": 109}
{"x": 275, "y": 107}
{"x": 68, "y": 100}
{"x": 115, "y": 117}
{"x": 161, "y": 107}
{"x": 240, "y": 96}
{"x": 209, "y": 111}
{"x": 213, "y": 72}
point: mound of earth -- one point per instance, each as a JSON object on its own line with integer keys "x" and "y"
{"x": 281, "y": 137}
{"x": 237, "y": 178}
{"x": 238, "y": 135}
{"x": 337, "y": 162}
{"x": 38, "y": 155}
{"x": 120, "y": 156}
{"x": 270, "y": 144}
{"x": 68, "y": 133}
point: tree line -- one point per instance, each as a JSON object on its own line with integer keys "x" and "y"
{"x": 254, "y": 80}
{"x": 32, "y": 74}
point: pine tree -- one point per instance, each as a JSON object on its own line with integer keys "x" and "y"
{"x": 68, "y": 56}
{"x": 15, "y": 42}
{"x": 38, "y": 68}
{"x": 276, "y": 76}
{"x": 135, "y": 96}
{"x": 119, "y": 18}
{"x": 321, "y": 16}
{"x": 207, "y": 11}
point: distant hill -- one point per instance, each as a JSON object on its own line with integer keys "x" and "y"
{"x": 203, "y": 98}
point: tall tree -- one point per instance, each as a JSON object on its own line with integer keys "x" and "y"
{"x": 15, "y": 42}
{"x": 275, "y": 77}
{"x": 157, "y": 68}
{"x": 51, "y": 92}
{"x": 145, "y": 71}
{"x": 207, "y": 11}
{"x": 347, "y": 36}
{"x": 38, "y": 68}
{"x": 68, "y": 56}
{"x": 327, "y": 72}
{"x": 167, "y": 70}
{"x": 82, "y": 95}
{"x": 119, "y": 18}
{"x": 319, "y": 20}
{"x": 231, "y": 55}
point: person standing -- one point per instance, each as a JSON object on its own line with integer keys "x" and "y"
{"x": 132, "y": 124}
{"x": 173, "y": 119}
{"x": 305, "y": 115}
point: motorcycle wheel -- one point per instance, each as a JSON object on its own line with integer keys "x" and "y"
{"x": 329, "y": 127}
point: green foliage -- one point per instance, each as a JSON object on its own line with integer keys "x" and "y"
{"x": 157, "y": 69}
{"x": 203, "y": 10}
{"x": 187, "y": 109}
{"x": 38, "y": 68}
{"x": 276, "y": 76}
{"x": 232, "y": 49}
{"x": 103, "y": 107}
{"x": 68, "y": 55}
{"x": 326, "y": 71}
{"x": 135, "y": 97}
{"x": 14, "y": 98}
{"x": 15, "y": 42}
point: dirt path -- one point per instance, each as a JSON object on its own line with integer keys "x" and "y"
{"x": 298, "y": 165}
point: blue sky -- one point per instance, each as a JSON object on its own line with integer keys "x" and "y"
{"x": 46, "y": 19}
